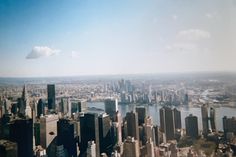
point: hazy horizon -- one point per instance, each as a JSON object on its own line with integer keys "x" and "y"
{"x": 87, "y": 38}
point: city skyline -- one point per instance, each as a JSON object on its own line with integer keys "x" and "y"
{"x": 41, "y": 38}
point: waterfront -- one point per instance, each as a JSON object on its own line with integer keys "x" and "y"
{"x": 153, "y": 111}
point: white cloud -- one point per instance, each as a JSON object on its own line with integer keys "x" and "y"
{"x": 193, "y": 34}
{"x": 74, "y": 54}
{"x": 41, "y": 51}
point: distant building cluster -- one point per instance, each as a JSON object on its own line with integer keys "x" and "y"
{"x": 62, "y": 126}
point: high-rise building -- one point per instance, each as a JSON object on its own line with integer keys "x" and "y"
{"x": 40, "y": 151}
{"x": 91, "y": 149}
{"x": 150, "y": 148}
{"x": 48, "y": 129}
{"x": 40, "y": 108}
{"x": 132, "y": 125}
{"x": 51, "y": 96}
{"x": 167, "y": 122}
{"x": 212, "y": 119}
{"x": 21, "y": 132}
{"x": 191, "y": 125}
{"x": 205, "y": 125}
{"x": 149, "y": 131}
{"x": 105, "y": 136}
{"x": 82, "y": 106}
{"x": 89, "y": 131}
{"x": 229, "y": 125}
{"x": 131, "y": 147}
{"x": 142, "y": 114}
{"x": 177, "y": 117}
{"x": 8, "y": 148}
{"x": 23, "y": 104}
{"x": 111, "y": 107}
{"x": 66, "y": 136}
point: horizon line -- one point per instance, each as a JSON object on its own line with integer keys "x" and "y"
{"x": 128, "y": 74}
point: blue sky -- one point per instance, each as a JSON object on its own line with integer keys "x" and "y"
{"x": 89, "y": 37}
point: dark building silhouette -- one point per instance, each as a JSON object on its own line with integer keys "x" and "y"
{"x": 177, "y": 117}
{"x": 105, "y": 136}
{"x": 191, "y": 125}
{"x": 142, "y": 114}
{"x": 21, "y": 132}
{"x": 40, "y": 108}
{"x": 205, "y": 124}
{"x": 8, "y": 148}
{"x": 111, "y": 107}
{"x": 14, "y": 108}
{"x": 229, "y": 125}
{"x": 66, "y": 136}
{"x": 132, "y": 125}
{"x": 89, "y": 130}
{"x": 51, "y": 96}
{"x": 167, "y": 122}
{"x": 212, "y": 119}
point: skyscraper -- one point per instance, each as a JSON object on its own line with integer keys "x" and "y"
{"x": 131, "y": 147}
{"x": 229, "y": 125}
{"x": 191, "y": 125}
{"x": 48, "y": 129}
{"x": 167, "y": 122}
{"x": 177, "y": 117}
{"x": 91, "y": 149}
{"x": 40, "y": 108}
{"x": 212, "y": 119}
{"x": 205, "y": 125}
{"x": 21, "y": 132}
{"x": 105, "y": 137}
{"x": 111, "y": 107}
{"x": 132, "y": 125}
{"x": 150, "y": 148}
{"x": 66, "y": 136}
{"x": 89, "y": 130}
{"x": 142, "y": 114}
{"x": 51, "y": 96}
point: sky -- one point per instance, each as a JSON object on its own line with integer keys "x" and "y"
{"x": 105, "y": 37}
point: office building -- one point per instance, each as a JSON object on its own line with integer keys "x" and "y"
{"x": 191, "y": 125}
{"x": 177, "y": 117}
{"x": 142, "y": 114}
{"x": 229, "y": 125}
{"x": 111, "y": 107}
{"x": 149, "y": 131}
{"x": 131, "y": 147}
{"x": 51, "y": 97}
{"x": 89, "y": 130}
{"x": 8, "y": 148}
{"x": 40, "y": 152}
{"x": 40, "y": 108}
{"x": 105, "y": 136}
{"x": 167, "y": 122}
{"x": 66, "y": 136}
{"x": 212, "y": 119}
{"x": 150, "y": 148}
{"x": 132, "y": 125}
{"x": 48, "y": 129}
{"x": 205, "y": 125}
{"x": 21, "y": 132}
{"x": 91, "y": 149}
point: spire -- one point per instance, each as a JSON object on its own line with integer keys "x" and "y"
{"x": 25, "y": 99}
